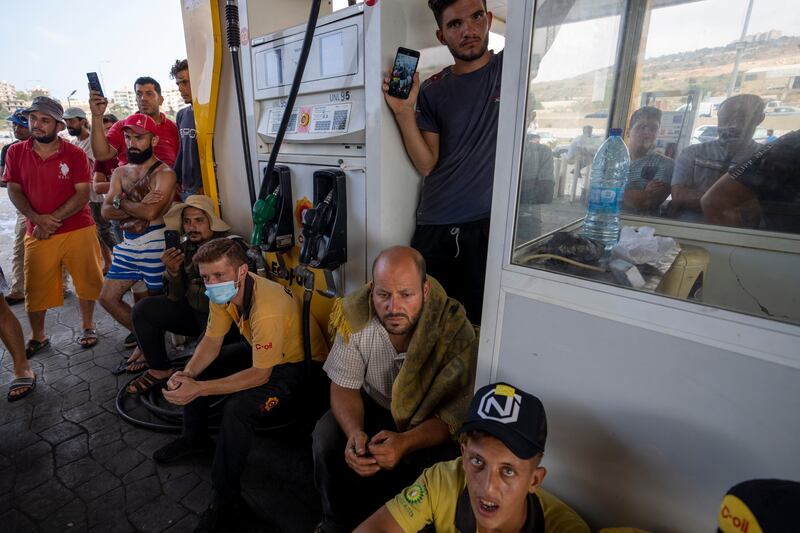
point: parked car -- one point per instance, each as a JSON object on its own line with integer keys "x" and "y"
{"x": 603, "y": 113}
{"x": 704, "y": 134}
{"x": 785, "y": 110}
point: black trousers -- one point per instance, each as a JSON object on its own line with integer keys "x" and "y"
{"x": 154, "y": 316}
{"x": 264, "y": 406}
{"x": 347, "y": 498}
{"x": 455, "y": 255}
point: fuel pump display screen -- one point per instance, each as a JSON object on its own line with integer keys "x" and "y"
{"x": 333, "y": 54}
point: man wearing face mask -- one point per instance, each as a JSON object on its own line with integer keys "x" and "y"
{"x": 261, "y": 375}
{"x": 141, "y": 191}
{"x": 699, "y": 166}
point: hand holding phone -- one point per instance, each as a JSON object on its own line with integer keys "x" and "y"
{"x": 401, "y": 78}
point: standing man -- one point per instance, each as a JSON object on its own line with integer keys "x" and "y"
{"x": 141, "y": 192}
{"x": 19, "y": 123}
{"x": 581, "y": 152}
{"x": 148, "y": 100}
{"x": 11, "y": 334}
{"x": 78, "y": 127}
{"x": 187, "y": 166}
{"x": 449, "y": 127}
{"x": 649, "y": 174}
{"x": 49, "y": 181}
{"x": 401, "y": 369}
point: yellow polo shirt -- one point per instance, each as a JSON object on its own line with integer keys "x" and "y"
{"x": 434, "y": 498}
{"x": 274, "y": 328}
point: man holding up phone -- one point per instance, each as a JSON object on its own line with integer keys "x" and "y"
{"x": 449, "y": 128}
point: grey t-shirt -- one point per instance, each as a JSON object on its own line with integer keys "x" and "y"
{"x": 463, "y": 110}
{"x": 187, "y": 164}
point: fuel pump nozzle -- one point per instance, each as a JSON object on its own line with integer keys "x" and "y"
{"x": 315, "y": 220}
{"x": 263, "y": 212}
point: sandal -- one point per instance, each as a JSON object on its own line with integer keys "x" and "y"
{"x": 121, "y": 368}
{"x": 21, "y": 383}
{"x": 89, "y": 338}
{"x": 32, "y": 347}
{"x": 144, "y": 383}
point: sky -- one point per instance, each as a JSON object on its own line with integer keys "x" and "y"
{"x": 584, "y": 46}
{"x": 55, "y": 43}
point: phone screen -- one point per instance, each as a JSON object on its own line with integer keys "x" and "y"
{"x": 94, "y": 82}
{"x": 402, "y": 75}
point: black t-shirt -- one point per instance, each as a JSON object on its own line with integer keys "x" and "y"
{"x": 463, "y": 110}
{"x": 773, "y": 174}
{"x": 187, "y": 164}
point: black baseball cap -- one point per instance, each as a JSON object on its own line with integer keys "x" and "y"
{"x": 511, "y": 415}
{"x": 760, "y": 506}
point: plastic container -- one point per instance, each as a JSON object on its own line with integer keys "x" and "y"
{"x": 606, "y": 188}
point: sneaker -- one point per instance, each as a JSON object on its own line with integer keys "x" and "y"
{"x": 181, "y": 448}
{"x": 130, "y": 340}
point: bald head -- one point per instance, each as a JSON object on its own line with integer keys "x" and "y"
{"x": 400, "y": 257}
{"x": 738, "y": 118}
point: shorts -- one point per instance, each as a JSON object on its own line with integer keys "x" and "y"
{"x": 138, "y": 258}
{"x": 46, "y": 259}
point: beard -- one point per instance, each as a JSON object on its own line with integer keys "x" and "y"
{"x": 74, "y": 132}
{"x": 137, "y": 157}
{"x": 45, "y": 139}
{"x": 471, "y": 56}
{"x": 402, "y": 329}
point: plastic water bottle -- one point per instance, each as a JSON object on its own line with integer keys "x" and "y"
{"x": 606, "y": 188}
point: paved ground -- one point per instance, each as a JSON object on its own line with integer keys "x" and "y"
{"x": 69, "y": 463}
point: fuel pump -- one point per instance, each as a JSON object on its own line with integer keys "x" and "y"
{"x": 273, "y": 226}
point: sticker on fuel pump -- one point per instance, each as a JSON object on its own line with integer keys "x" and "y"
{"x": 330, "y": 118}
{"x": 275, "y": 117}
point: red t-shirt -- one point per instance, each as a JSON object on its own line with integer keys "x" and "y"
{"x": 49, "y": 183}
{"x": 166, "y": 150}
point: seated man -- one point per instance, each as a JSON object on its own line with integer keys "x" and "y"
{"x": 538, "y": 182}
{"x": 11, "y": 334}
{"x": 700, "y": 165}
{"x": 141, "y": 191}
{"x": 496, "y": 483}
{"x": 184, "y": 308}
{"x": 402, "y": 368}
{"x": 769, "y": 179}
{"x": 262, "y": 377}
{"x": 649, "y": 174}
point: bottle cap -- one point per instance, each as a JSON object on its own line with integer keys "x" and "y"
{"x": 616, "y": 132}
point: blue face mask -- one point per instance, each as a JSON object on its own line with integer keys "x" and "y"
{"x": 221, "y": 293}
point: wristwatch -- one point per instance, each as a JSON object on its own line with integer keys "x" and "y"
{"x": 117, "y": 202}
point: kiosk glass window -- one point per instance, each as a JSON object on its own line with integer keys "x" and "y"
{"x": 707, "y": 93}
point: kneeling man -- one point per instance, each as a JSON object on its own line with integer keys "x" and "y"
{"x": 262, "y": 376}
{"x": 402, "y": 369}
{"x": 495, "y": 486}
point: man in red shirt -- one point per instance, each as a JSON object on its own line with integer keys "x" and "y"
{"x": 48, "y": 182}
{"x": 148, "y": 100}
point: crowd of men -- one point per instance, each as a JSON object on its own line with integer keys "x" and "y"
{"x": 404, "y": 444}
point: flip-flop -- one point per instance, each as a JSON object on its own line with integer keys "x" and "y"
{"x": 121, "y": 368}
{"x": 32, "y": 347}
{"x": 19, "y": 383}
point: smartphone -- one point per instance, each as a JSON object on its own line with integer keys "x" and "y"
{"x": 172, "y": 239}
{"x": 402, "y": 75}
{"x": 94, "y": 82}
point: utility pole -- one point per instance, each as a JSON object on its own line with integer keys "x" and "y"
{"x": 739, "y": 51}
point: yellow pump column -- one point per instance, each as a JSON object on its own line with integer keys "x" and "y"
{"x": 203, "y": 33}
